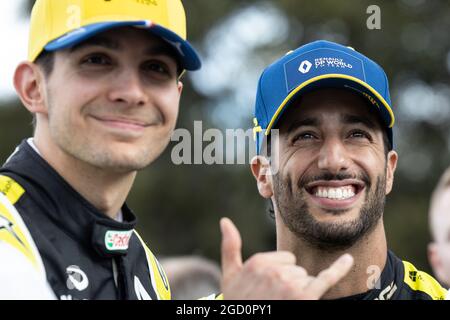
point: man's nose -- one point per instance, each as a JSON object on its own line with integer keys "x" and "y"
{"x": 128, "y": 89}
{"x": 333, "y": 157}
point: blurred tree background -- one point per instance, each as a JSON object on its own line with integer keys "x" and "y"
{"x": 179, "y": 207}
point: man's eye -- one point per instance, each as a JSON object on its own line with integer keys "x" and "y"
{"x": 159, "y": 68}
{"x": 304, "y": 136}
{"x": 359, "y": 134}
{"x": 99, "y": 60}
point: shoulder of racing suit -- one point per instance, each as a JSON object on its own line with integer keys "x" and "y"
{"x": 421, "y": 285}
{"x": 14, "y": 231}
{"x": 158, "y": 276}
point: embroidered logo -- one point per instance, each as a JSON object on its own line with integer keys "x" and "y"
{"x": 76, "y": 278}
{"x": 413, "y": 275}
{"x": 305, "y": 66}
{"x": 117, "y": 240}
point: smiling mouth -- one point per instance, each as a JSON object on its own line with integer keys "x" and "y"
{"x": 335, "y": 190}
{"x": 120, "y": 123}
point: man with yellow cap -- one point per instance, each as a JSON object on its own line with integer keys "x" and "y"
{"x": 103, "y": 83}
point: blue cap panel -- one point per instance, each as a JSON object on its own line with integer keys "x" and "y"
{"x": 320, "y": 62}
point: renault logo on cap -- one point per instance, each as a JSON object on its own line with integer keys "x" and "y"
{"x": 305, "y": 66}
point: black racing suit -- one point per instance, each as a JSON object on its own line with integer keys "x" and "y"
{"x": 400, "y": 280}
{"x": 85, "y": 254}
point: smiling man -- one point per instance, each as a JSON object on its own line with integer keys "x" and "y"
{"x": 329, "y": 172}
{"x": 102, "y": 81}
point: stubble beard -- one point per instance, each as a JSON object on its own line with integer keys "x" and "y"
{"x": 328, "y": 236}
{"x": 97, "y": 155}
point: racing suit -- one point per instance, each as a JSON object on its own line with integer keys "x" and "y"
{"x": 400, "y": 280}
{"x": 83, "y": 253}
{"x": 86, "y": 255}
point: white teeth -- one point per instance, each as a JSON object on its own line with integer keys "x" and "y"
{"x": 332, "y": 193}
{"x": 341, "y": 193}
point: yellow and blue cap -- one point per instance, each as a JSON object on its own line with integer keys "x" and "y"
{"x": 319, "y": 64}
{"x": 59, "y": 24}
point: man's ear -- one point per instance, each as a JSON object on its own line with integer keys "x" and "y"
{"x": 392, "y": 159}
{"x": 180, "y": 86}
{"x": 29, "y": 85}
{"x": 260, "y": 167}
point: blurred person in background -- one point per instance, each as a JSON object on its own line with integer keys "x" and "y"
{"x": 191, "y": 277}
{"x": 439, "y": 218}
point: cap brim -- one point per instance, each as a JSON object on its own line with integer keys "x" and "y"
{"x": 187, "y": 55}
{"x": 338, "y": 81}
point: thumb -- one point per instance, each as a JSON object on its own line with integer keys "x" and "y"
{"x": 231, "y": 248}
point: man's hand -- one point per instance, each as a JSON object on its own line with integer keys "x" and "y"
{"x": 272, "y": 275}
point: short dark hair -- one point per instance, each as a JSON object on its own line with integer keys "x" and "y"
{"x": 46, "y": 60}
